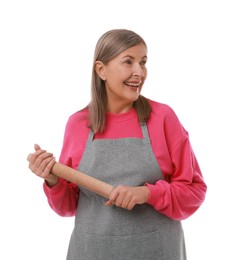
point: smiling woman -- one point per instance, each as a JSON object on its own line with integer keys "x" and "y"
{"x": 136, "y": 145}
{"x": 117, "y": 68}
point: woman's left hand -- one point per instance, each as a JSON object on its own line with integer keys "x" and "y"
{"x": 127, "y": 197}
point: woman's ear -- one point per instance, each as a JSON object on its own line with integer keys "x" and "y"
{"x": 100, "y": 70}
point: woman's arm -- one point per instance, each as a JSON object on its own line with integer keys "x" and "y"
{"x": 183, "y": 193}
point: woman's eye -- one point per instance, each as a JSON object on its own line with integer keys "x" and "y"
{"x": 128, "y": 62}
{"x": 142, "y": 63}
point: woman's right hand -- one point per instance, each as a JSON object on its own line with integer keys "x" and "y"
{"x": 41, "y": 163}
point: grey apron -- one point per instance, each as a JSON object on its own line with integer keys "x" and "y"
{"x": 112, "y": 233}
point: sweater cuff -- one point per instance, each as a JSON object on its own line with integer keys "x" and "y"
{"x": 52, "y": 189}
{"x": 155, "y": 194}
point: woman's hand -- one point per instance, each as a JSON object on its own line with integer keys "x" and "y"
{"x": 41, "y": 163}
{"x": 127, "y": 197}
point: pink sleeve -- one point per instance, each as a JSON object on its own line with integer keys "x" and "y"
{"x": 63, "y": 197}
{"x": 183, "y": 189}
{"x": 180, "y": 195}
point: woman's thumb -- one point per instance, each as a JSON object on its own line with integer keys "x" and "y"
{"x": 36, "y": 147}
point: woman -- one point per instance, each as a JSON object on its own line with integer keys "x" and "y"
{"x": 137, "y": 145}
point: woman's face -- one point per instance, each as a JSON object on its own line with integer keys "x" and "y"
{"x": 124, "y": 77}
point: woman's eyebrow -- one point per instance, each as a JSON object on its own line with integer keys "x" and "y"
{"x": 131, "y": 57}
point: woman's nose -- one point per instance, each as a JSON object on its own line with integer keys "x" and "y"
{"x": 138, "y": 70}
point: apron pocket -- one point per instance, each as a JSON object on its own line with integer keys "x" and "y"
{"x": 129, "y": 247}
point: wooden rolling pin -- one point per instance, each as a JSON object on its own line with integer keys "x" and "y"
{"x": 80, "y": 178}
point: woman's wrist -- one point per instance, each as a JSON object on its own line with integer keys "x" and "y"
{"x": 52, "y": 180}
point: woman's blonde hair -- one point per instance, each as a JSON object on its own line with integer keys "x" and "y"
{"x": 109, "y": 45}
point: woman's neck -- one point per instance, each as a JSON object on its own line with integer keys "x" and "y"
{"x": 119, "y": 108}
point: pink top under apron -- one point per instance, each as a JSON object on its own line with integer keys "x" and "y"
{"x": 178, "y": 195}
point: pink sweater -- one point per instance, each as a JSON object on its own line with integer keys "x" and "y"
{"x": 178, "y": 196}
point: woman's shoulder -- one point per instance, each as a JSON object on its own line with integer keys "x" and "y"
{"x": 163, "y": 117}
{"x": 164, "y": 114}
{"x": 78, "y": 120}
{"x": 161, "y": 109}
{"x": 79, "y": 116}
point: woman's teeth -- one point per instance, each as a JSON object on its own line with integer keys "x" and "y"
{"x": 133, "y": 84}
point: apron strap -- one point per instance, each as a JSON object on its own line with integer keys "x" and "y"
{"x": 90, "y": 136}
{"x": 146, "y": 138}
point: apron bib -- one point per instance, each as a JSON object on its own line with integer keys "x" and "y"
{"x": 112, "y": 233}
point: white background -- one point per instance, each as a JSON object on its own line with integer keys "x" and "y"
{"x": 195, "y": 66}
